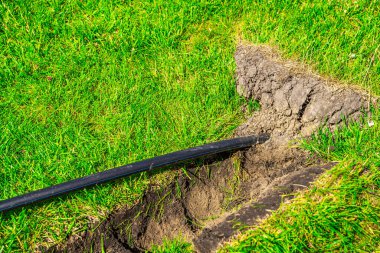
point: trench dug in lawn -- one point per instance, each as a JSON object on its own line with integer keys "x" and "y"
{"x": 211, "y": 203}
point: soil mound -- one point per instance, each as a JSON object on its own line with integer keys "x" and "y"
{"x": 293, "y": 103}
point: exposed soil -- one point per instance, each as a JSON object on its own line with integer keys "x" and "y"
{"x": 293, "y": 103}
{"x": 212, "y": 203}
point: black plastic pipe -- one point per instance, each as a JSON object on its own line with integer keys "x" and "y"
{"x": 133, "y": 168}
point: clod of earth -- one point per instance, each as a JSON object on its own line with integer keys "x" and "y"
{"x": 211, "y": 203}
{"x": 293, "y": 103}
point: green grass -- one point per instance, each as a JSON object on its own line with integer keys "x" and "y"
{"x": 89, "y": 85}
{"x": 173, "y": 246}
{"x": 341, "y": 211}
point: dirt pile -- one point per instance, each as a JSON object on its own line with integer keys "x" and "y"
{"x": 211, "y": 203}
{"x": 293, "y": 103}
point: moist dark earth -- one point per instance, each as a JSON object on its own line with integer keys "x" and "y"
{"x": 213, "y": 202}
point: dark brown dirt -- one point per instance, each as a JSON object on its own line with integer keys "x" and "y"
{"x": 211, "y": 203}
{"x": 188, "y": 205}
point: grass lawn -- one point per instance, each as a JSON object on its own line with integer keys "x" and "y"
{"x": 89, "y": 85}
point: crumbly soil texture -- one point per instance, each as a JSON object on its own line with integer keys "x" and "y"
{"x": 209, "y": 204}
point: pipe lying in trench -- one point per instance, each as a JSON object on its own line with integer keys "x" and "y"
{"x": 133, "y": 168}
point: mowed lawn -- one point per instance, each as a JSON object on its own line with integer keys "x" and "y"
{"x": 89, "y": 85}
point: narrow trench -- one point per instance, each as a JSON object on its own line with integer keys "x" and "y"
{"x": 207, "y": 212}
{"x": 237, "y": 190}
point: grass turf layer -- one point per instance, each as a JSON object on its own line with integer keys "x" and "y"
{"x": 88, "y": 85}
